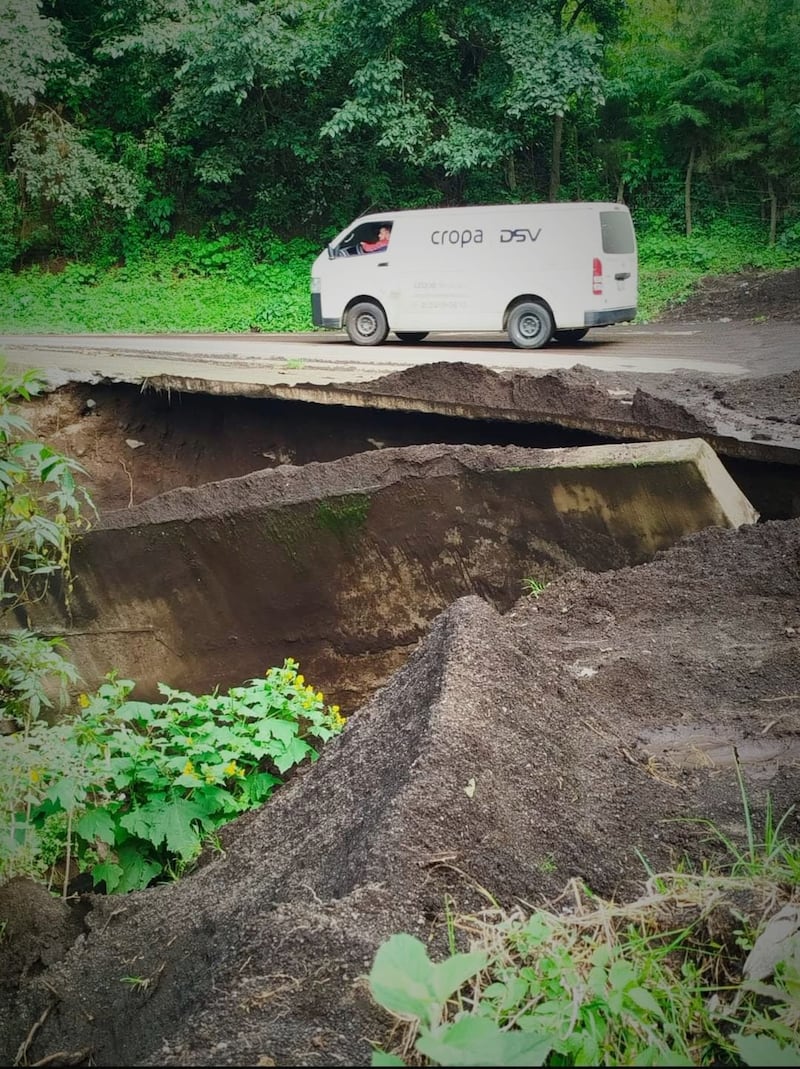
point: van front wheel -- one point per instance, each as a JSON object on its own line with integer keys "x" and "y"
{"x": 530, "y": 325}
{"x": 366, "y": 324}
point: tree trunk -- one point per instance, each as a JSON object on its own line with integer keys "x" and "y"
{"x": 773, "y": 212}
{"x": 687, "y": 193}
{"x": 555, "y": 165}
{"x": 511, "y": 172}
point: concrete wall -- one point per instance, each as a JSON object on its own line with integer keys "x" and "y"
{"x": 343, "y": 565}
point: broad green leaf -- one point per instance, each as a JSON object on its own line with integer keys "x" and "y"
{"x": 173, "y": 822}
{"x": 479, "y": 1041}
{"x": 380, "y": 1057}
{"x": 449, "y": 975}
{"x": 137, "y": 822}
{"x": 67, "y": 792}
{"x": 135, "y": 711}
{"x": 97, "y": 824}
{"x": 109, "y": 873}
{"x": 401, "y": 977}
{"x": 137, "y": 871}
{"x": 764, "y": 1050}
{"x": 296, "y": 751}
{"x": 272, "y": 727}
{"x": 644, "y": 1000}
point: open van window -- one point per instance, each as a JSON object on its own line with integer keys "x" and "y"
{"x": 365, "y": 238}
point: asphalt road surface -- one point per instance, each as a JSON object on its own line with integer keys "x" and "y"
{"x": 709, "y": 348}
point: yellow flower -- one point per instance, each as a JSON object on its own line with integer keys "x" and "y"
{"x": 300, "y": 680}
{"x": 83, "y": 701}
{"x": 319, "y": 695}
{"x": 35, "y": 775}
{"x": 188, "y": 769}
{"x": 231, "y": 769}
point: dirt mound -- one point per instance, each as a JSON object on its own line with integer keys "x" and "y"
{"x": 582, "y": 730}
{"x": 754, "y": 296}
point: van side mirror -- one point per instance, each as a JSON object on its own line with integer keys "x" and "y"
{"x": 331, "y": 253}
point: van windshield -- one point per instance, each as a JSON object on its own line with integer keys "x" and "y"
{"x": 617, "y": 231}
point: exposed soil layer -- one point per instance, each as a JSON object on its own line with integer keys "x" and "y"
{"x": 749, "y": 295}
{"x": 597, "y": 723}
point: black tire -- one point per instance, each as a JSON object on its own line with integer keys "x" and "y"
{"x": 411, "y": 336}
{"x": 570, "y": 337}
{"x": 366, "y": 324}
{"x": 530, "y": 325}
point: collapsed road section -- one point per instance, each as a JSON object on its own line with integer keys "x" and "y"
{"x": 343, "y": 565}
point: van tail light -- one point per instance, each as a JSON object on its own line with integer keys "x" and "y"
{"x": 597, "y": 276}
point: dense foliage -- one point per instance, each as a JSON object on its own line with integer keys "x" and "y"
{"x": 129, "y": 791}
{"x": 124, "y": 121}
{"x": 42, "y": 510}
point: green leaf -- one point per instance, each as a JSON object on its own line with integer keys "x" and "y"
{"x": 644, "y": 1000}
{"x": 173, "y": 822}
{"x": 479, "y": 1041}
{"x": 380, "y": 1057}
{"x": 136, "y": 711}
{"x": 295, "y": 752}
{"x": 764, "y": 1050}
{"x": 109, "y": 873}
{"x": 406, "y": 982}
{"x": 401, "y": 977}
{"x": 97, "y": 824}
{"x": 271, "y": 727}
{"x": 67, "y": 792}
{"x": 137, "y": 871}
{"x": 450, "y": 975}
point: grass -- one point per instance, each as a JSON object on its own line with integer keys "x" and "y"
{"x": 193, "y": 286}
{"x": 703, "y": 968}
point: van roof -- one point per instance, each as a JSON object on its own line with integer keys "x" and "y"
{"x": 548, "y": 206}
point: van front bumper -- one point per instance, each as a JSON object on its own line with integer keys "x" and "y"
{"x": 317, "y": 318}
{"x": 607, "y": 317}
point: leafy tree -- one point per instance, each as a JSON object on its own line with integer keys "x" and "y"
{"x": 466, "y": 88}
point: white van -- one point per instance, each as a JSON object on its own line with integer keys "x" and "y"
{"x": 541, "y": 272}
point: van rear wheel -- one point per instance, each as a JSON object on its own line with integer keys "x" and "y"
{"x": 411, "y": 335}
{"x": 530, "y": 325}
{"x": 366, "y": 324}
{"x": 569, "y": 337}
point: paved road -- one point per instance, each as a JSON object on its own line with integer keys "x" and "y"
{"x": 715, "y": 348}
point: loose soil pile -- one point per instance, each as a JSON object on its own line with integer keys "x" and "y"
{"x": 598, "y": 725}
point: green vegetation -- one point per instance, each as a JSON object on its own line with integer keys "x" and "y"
{"x": 180, "y": 287}
{"x": 702, "y": 969}
{"x": 42, "y": 511}
{"x": 344, "y": 516}
{"x": 124, "y": 123}
{"x": 187, "y": 284}
{"x": 671, "y": 264}
{"x": 129, "y": 791}
{"x": 533, "y": 587}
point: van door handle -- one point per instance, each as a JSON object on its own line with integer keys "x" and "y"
{"x": 383, "y": 263}
{"x": 622, "y": 275}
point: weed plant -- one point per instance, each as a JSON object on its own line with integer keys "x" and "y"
{"x": 246, "y": 283}
{"x": 702, "y": 969}
{"x": 129, "y": 791}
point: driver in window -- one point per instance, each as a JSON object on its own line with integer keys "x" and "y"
{"x": 382, "y": 243}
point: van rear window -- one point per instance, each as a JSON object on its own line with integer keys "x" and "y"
{"x": 617, "y": 231}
